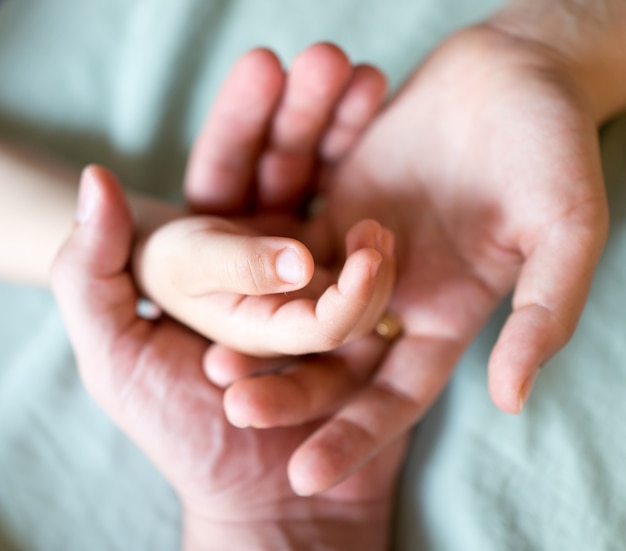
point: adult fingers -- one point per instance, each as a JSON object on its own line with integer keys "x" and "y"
{"x": 325, "y": 100}
{"x": 223, "y": 160}
{"x": 361, "y": 101}
{"x": 412, "y": 375}
{"x": 306, "y": 389}
{"x": 94, "y": 293}
{"x": 317, "y": 79}
{"x": 548, "y": 300}
{"x": 223, "y": 365}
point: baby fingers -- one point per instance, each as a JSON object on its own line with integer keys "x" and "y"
{"x": 232, "y": 287}
{"x": 197, "y": 256}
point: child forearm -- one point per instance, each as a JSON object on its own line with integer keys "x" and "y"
{"x": 37, "y": 203}
{"x": 38, "y": 196}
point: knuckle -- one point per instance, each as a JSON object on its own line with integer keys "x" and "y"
{"x": 330, "y": 339}
{"x": 250, "y": 272}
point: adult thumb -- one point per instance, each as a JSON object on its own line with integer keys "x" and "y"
{"x": 93, "y": 289}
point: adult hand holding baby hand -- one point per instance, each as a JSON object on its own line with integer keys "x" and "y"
{"x": 148, "y": 376}
{"x": 486, "y": 167}
{"x": 263, "y": 151}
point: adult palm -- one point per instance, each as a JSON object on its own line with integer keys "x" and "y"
{"x": 148, "y": 376}
{"x": 486, "y": 167}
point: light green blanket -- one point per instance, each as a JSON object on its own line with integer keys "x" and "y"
{"x": 127, "y": 83}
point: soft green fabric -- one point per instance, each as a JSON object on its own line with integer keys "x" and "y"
{"x": 127, "y": 83}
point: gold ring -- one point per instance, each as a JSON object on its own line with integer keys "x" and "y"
{"x": 388, "y": 327}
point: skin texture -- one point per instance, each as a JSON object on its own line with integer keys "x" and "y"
{"x": 147, "y": 375}
{"x": 492, "y": 184}
{"x": 486, "y": 166}
{"x": 268, "y": 140}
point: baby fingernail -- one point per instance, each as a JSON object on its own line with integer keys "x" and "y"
{"x": 289, "y": 266}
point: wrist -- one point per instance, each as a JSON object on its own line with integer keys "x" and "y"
{"x": 349, "y": 527}
{"x": 588, "y": 40}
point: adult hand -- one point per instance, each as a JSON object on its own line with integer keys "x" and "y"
{"x": 147, "y": 375}
{"x": 486, "y": 167}
{"x": 259, "y": 155}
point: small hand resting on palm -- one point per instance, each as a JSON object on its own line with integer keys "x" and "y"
{"x": 247, "y": 281}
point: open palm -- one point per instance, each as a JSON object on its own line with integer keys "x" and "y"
{"x": 486, "y": 168}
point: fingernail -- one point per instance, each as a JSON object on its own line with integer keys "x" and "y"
{"x": 375, "y": 267}
{"x": 87, "y": 197}
{"x": 289, "y": 266}
{"x": 526, "y": 388}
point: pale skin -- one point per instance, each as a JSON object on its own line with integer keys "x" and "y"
{"x": 373, "y": 419}
{"x": 147, "y": 375}
{"x": 492, "y": 184}
{"x": 280, "y": 134}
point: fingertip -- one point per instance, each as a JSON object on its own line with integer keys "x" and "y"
{"x": 223, "y": 366}
{"x": 367, "y": 233}
{"x": 240, "y": 407}
{"x": 224, "y": 155}
{"x": 359, "y": 272}
{"x": 367, "y": 242}
{"x": 98, "y": 186}
{"x": 88, "y": 194}
{"x": 235, "y": 421}
{"x": 301, "y": 485}
{"x": 294, "y": 265}
{"x": 301, "y": 475}
{"x": 258, "y": 56}
{"x": 507, "y": 400}
{"x": 505, "y": 382}
{"x": 100, "y": 241}
{"x": 531, "y": 335}
{"x": 215, "y": 364}
{"x": 376, "y": 261}
{"x": 323, "y": 461}
{"x": 526, "y": 389}
{"x": 323, "y": 56}
{"x": 362, "y": 99}
{"x": 511, "y": 383}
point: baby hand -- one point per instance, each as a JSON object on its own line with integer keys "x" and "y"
{"x": 195, "y": 268}
{"x": 268, "y": 143}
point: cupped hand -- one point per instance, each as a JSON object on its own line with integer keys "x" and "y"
{"x": 148, "y": 376}
{"x": 486, "y": 167}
